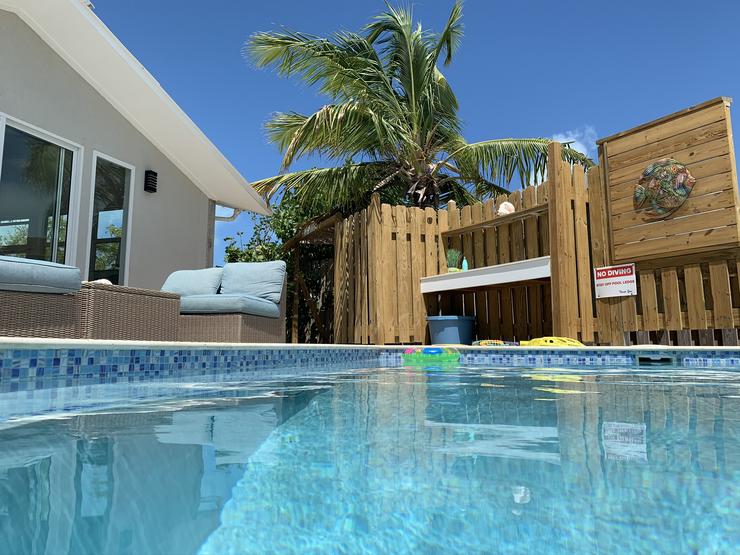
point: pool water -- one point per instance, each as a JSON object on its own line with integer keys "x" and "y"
{"x": 399, "y": 460}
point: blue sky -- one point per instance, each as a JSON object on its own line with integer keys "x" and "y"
{"x": 567, "y": 69}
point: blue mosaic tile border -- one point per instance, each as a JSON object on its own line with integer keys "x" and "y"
{"x": 75, "y": 363}
{"x": 66, "y": 365}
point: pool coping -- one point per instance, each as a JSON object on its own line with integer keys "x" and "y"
{"x": 51, "y": 343}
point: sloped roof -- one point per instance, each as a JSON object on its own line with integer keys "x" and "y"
{"x": 76, "y": 34}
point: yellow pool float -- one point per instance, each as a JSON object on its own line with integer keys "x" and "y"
{"x": 551, "y": 342}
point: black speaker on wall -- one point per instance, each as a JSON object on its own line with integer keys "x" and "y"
{"x": 150, "y": 181}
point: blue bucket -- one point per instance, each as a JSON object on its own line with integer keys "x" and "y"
{"x": 451, "y": 330}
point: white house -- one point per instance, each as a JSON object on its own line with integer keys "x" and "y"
{"x": 99, "y": 167}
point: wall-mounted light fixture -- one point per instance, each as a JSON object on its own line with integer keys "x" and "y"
{"x": 150, "y": 181}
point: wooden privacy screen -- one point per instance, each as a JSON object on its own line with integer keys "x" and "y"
{"x": 693, "y": 303}
{"x": 688, "y": 291}
{"x": 699, "y": 137}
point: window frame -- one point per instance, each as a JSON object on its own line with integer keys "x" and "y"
{"x": 128, "y": 205}
{"x": 75, "y": 192}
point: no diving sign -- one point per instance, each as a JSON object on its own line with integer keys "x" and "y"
{"x": 615, "y": 281}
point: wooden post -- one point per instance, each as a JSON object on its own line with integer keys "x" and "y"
{"x": 562, "y": 246}
{"x": 608, "y": 311}
{"x": 338, "y": 281}
{"x": 296, "y": 305}
{"x": 373, "y": 270}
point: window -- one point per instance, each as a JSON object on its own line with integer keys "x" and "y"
{"x": 36, "y": 178}
{"x": 111, "y": 191}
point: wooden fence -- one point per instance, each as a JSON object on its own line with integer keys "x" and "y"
{"x": 383, "y": 251}
{"x": 380, "y": 255}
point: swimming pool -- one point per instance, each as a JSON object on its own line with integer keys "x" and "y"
{"x": 372, "y": 458}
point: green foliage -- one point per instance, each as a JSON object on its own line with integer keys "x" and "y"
{"x": 259, "y": 248}
{"x": 266, "y": 244}
{"x": 454, "y": 257}
{"x": 269, "y": 233}
{"x": 392, "y": 125}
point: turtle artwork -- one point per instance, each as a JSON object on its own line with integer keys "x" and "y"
{"x": 663, "y": 188}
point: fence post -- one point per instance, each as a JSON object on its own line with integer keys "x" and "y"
{"x": 373, "y": 270}
{"x": 608, "y": 311}
{"x": 562, "y": 245}
{"x": 338, "y": 281}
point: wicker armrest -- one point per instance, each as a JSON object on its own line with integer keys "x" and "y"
{"x": 130, "y": 290}
{"x": 118, "y": 312}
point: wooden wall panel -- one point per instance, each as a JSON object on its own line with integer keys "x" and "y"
{"x": 699, "y": 137}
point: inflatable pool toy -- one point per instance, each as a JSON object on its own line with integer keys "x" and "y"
{"x": 494, "y": 343}
{"x": 551, "y": 342}
{"x": 431, "y": 355}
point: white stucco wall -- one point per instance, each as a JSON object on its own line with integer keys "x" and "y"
{"x": 169, "y": 230}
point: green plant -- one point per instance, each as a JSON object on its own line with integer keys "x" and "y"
{"x": 392, "y": 126}
{"x": 316, "y": 263}
{"x": 268, "y": 234}
{"x": 454, "y": 257}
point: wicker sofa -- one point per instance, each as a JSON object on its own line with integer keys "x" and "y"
{"x": 240, "y": 303}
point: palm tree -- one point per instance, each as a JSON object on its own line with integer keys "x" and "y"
{"x": 392, "y": 126}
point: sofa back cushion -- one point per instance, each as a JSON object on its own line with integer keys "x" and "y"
{"x": 194, "y": 282}
{"x": 260, "y": 279}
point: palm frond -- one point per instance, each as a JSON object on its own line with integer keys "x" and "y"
{"x": 449, "y": 39}
{"x": 501, "y": 159}
{"x": 345, "y": 67}
{"x": 409, "y": 58}
{"x": 339, "y": 131}
{"x": 343, "y": 187}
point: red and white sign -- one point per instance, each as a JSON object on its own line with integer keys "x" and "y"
{"x": 615, "y": 281}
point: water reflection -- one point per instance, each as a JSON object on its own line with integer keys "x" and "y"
{"x": 459, "y": 462}
{"x": 129, "y": 483}
{"x": 391, "y": 461}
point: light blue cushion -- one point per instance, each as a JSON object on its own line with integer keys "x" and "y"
{"x": 228, "y": 304}
{"x": 38, "y": 276}
{"x": 194, "y": 282}
{"x": 260, "y": 279}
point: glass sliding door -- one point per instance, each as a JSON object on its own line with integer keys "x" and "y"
{"x": 35, "y": 183}
{"x": 108, "y": 235}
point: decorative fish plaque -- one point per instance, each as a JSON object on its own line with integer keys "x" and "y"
{"x": 663, "y": 188}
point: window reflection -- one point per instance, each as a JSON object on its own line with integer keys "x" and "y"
{"x": 35, "y": 182}
{"x": 109, "y": 221}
